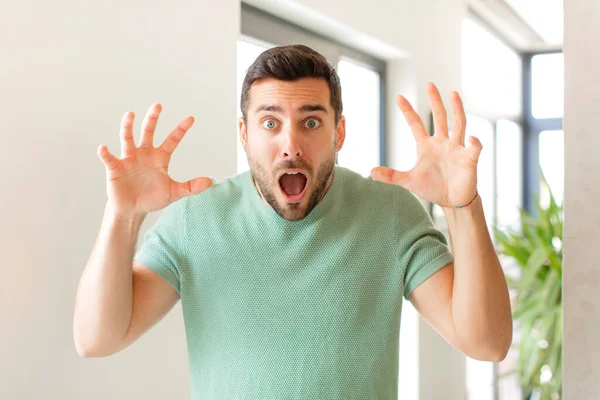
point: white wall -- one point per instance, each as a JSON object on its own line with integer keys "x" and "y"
{"x": 581, "y": 289}
{"x": 69, "y": 71}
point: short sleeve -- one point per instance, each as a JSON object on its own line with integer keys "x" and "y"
{"x": 163, "y": 248}
{"x": 423, "y": 249}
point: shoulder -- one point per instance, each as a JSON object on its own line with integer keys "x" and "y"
{"x": 232, "y": 186}
{"x": 384, "y": 204}
{"x": 379, "y": 193}
{"x": 221, "y": 198}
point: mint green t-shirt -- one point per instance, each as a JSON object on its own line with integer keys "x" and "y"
{"x": 310, "y": 309}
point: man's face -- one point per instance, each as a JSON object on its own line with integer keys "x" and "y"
{"x": 291, "y": 140}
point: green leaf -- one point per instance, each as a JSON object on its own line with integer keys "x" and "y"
{"x": 530, "y": 308}
{"x": 534, "y": 265}
{"x": 552, "y": 288}
{"x": 538, "y": 304}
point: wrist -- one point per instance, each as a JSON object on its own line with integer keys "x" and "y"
{"x": 475, "y": 206}
{"x": 116, "y": 216}
{"x": 461, "y": 206}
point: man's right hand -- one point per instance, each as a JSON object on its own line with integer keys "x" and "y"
{"x": 138, "y": 182}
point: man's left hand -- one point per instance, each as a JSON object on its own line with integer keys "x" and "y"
{"x": 446, "y": 170}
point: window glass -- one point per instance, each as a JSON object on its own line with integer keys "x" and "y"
{"x": 360, "y": 96}
{"x": 547, "y": 85}
{"x": 491, "y": 73}
{"x": 552, "y": 163}
{"x": 247, "y": 52}
{"x": 509, "y": 160}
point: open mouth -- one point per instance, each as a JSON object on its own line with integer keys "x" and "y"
{"x": 293, "y": 186}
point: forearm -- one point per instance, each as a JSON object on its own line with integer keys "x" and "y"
{"x": 103, "y": 304}
{"x": 480, "y": 301}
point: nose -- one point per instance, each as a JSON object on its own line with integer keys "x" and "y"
{"x": 292, "y": 147}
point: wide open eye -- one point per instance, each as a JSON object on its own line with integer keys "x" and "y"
{"x": 270, "y": 124}
{"x": 312, "y": 123}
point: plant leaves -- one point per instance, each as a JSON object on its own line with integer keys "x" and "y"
{"x": 536, "y": 249}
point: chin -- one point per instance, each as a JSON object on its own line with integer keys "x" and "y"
{"x": 303, "y": 188}
{"x": 292, "y": 212}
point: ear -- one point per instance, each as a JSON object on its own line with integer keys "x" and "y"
{"x": 243, "y": 132}
{"x": 341, "y": 133}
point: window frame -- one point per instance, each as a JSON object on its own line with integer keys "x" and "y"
{"x": 532, "y": 127}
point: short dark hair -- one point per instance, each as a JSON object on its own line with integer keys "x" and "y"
{"x": 290, "y": 63}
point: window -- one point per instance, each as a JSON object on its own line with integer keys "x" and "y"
{"x": 361, "y": 76}
{"x": 509, "y": 190}
{"x": 492, "y": 75}
{"x": 552, "y": 163}
{"x": 521, "y": 97}
{"x": 247, "y": 51}
{"x": 360, "y": 95}
{"x": 547, "y": 85}
{"x": 543, "y": 136}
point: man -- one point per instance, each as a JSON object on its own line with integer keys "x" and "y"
{"x": 292, "y": 275}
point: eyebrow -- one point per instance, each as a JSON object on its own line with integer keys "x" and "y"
{"x": 304, "y": 108}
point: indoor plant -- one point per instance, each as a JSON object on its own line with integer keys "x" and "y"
{"x": 535, "y": 252}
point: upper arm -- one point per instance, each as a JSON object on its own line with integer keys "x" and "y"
{"x": 152, "y": 299}
{"x": 433, "y": 301}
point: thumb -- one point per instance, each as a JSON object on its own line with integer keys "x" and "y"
{"x": 475, "y": 148}
{"x": 389, "y": 175}
{"x": 193, "y": 186}
{"x": 110, "y": 161}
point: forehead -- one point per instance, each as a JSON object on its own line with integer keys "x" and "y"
{"x": 289, "y": 94}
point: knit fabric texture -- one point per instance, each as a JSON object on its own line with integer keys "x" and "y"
{"x": 309, "y": 309}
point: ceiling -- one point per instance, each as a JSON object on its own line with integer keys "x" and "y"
{"x": 527, "y": 25}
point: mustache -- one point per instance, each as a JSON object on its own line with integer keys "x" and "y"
{"x": 291, "y": 164}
